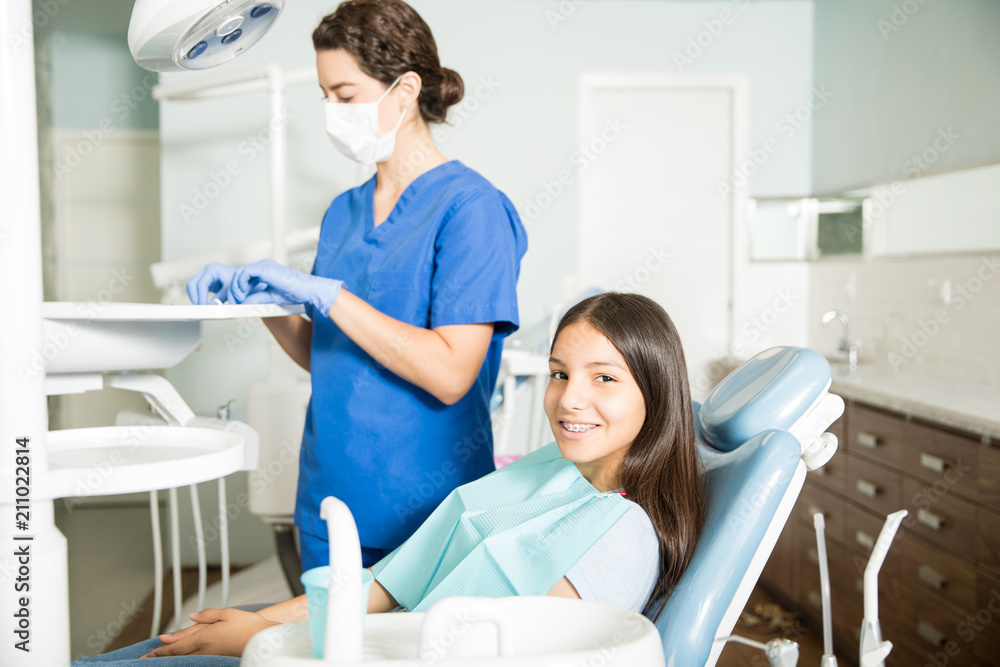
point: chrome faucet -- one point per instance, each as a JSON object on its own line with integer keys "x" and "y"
{"x": 847, "y": 348}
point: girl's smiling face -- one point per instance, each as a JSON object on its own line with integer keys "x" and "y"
{"x": 594, "y": 406}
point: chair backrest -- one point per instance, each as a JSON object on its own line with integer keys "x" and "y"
{"x": 753, "y": 472}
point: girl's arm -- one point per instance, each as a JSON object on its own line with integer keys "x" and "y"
{"x": 564, "y": 589}
{"x": 227, "y": 631}
{"x": 294, "y": 335}
{"x": 296, "y": 609}
{"x": 380, "y": 600}
{"x": 443, "y": 361}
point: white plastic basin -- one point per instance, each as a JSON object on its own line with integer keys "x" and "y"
{"x": 110, "y": 460}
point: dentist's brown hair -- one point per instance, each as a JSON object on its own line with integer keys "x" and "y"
{"x": 387, "y": 39}
{"x": 659, "y": 470}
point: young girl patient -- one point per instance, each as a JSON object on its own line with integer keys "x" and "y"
{"x": 609, "y": 512}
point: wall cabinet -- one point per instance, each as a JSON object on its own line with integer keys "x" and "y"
{"x": 939, "y": 589}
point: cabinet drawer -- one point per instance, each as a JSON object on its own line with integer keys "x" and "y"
{"x": 814, "y": 499}
{"x": 940, "y": 577}
{"x": 988, "y": 475}
{"x": 875, "y": 435}
{"x": 941, "y": 458}
{"x": 986, "y": 652}
{"x": 862, "y": 530}
{"x": 833, "y": 475}
{"x": 780, "y": 574}
{"x": 847, "y": 615}
{"x": 873, "y": 486}
{"x": 988, "y": 605}
{"x": 932, "y": 628}
{"x": 941, "y": 517}
{"x": 838, "y": 559}
{"x": 988, "y": 539}
{"x": 904, "y": 654}
{"x": 839, "y": 428}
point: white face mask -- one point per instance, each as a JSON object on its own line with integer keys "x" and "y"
{"x": 353, "y": 128}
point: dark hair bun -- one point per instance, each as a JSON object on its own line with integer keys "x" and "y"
{"x": 452, "y": 89}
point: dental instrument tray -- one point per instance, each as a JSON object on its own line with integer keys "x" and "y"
{"x": 88, "y": 337}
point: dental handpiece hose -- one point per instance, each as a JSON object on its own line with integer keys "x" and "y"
{"x": 829, "y": 659}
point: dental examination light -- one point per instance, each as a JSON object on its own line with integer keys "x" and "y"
{"x": 179, "y": 35}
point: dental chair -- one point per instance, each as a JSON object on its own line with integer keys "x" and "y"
{"x": 757, "y": 433}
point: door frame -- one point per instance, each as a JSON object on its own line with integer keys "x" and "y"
{"x": 737, "y": 85}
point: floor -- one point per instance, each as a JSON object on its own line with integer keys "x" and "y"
{"x": 110, "y": 555}
{"x": 753, "y": 626}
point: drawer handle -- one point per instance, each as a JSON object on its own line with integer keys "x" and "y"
{"x": 929, "y": 519}
{"x": 815, "y": 509}
{"x": 820, "y": 472}
{"x": 814, "y": 599}
{"x": 930, "y": 634}
{"x": 932, "y": 578}
{"x": 864, "y": 539}
{"x": 859, "y": 585}
{"x": 934, "y": 463}
{"x": 812, "y": 556}
{"x": 866, "y": 488}
{"x": 867, "y": 440}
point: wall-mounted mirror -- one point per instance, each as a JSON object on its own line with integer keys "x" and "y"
{"x": 796, "y": 229}
{"x": 953, "y": 212}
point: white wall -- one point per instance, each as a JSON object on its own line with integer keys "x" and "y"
{"x": 902, "y": 72}
{"x": 519, "y": 60}
{"x": 917, "y": 93}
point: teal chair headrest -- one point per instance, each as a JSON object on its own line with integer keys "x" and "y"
{"x": 770, "y": 391}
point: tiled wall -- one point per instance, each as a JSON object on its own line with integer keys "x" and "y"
{"x": 899, "y": 311}
{"x": 107, "y": 232}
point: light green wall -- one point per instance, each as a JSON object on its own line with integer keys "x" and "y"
{"x": 96, "y": 84}
{"x": 905, "y": 74}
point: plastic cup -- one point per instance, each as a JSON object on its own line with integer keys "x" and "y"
{"x": 316, "y": 582}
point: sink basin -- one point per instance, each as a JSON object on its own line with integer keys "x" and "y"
{"x": 89, "y": 337}
{"x": 109, "y": 460}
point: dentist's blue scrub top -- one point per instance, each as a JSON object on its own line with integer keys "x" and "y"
{"x": 449, "y": 253}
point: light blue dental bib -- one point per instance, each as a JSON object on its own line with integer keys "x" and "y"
{"x": 516, "y": 531}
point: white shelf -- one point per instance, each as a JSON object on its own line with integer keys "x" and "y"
{"x": 87, "y": 337}
{"x": 157, "y": 312}
{"x": 111, "y": 460}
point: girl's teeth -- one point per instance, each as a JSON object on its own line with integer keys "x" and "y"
{"x": 578, "y": 428}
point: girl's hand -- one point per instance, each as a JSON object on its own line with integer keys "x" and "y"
{"x": 219, "y": 632}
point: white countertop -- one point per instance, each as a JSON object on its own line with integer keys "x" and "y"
{"x": 973, "y": 407}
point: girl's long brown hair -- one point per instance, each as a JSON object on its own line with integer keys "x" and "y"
{"x": 659, "y": 471}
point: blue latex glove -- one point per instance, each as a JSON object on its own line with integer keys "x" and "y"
{"x": 214, "y": 278}
{"x": 269, "y": 282}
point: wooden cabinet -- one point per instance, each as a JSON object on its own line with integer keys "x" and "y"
{"x": 939, "y": 600}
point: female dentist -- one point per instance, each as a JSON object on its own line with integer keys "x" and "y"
{"x": 409, "y": 300}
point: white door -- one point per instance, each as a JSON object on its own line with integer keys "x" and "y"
{"x": 655, "y": 210}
